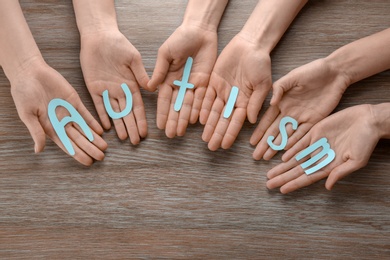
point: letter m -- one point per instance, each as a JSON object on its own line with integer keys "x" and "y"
{"x": 323, "y": 142}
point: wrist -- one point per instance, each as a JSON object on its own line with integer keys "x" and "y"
{"x": 93, "y": 17}
{"x": 343, "y": 63}
{"x": 251, "y": 46}
{"x": 340, "y": 65}
{"x": 27, "y": 67}
{"x": 204, "y": 14}
{"x": 381, "y": 116}
{"x": 269, "y": 20}
{"x": 260, "y": 41}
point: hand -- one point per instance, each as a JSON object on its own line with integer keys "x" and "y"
{"x": 32, "y": 90}
{"x": 351, "y": 133}
{"x": 108, "y": 59}
{"x": 243, "y": 65}
{"x": 307, "y": 94}
{"x": 186, "y": 41}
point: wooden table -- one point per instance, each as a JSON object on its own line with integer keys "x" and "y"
{"x": 174, "y": 198}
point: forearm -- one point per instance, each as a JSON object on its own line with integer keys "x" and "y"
{"x": 206, "y": 13}
{"x": 95, "y": 16}
{"x": 17, "y": 45}
{"x": 362, "y": 58}
{"x": 381, "y": 114}
{"x": 269, "y": 21}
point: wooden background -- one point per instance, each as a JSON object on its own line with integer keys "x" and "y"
{"x": 174, "y": 198}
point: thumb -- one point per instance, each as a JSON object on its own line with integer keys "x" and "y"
{"x": 160, "y": 70}
{"x": 340, "y": 172}
{"x": 256, "y": 102}
{"x": 138, "y": 69}
{"x": 37, "y": 133}
{"x": 280, "y": 87}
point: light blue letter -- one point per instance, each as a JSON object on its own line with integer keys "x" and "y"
{"x": 283, "y": 132}
{"x": 129, "y": 103}
{"x": 59, "y": 127}
{"x": 183, "y": 84}
{"x": 323, "y": 142}
{"x": 231, "y": 102}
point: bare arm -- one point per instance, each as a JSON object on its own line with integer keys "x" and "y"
{"x": 95, "y": 16}
{"x": 364, "y": 57}
{"x": 269, "y": 21}
{"x": 17, "y": 45}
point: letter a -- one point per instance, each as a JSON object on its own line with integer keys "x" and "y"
{"x": 283, "y": 132}
{"x": 323, "y": 142}
{"x": 59, "y": 126}
{"x": 129, "y": 103}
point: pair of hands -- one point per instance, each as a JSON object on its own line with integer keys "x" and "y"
{"x": 107, "y": 59}
{"x": 240, "y": 64}
{"x": 309, "y": 94}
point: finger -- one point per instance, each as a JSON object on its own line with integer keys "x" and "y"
{"x": 185, "y": 113}
{"x": 87, "y": 116}
{"x": 270, "y": 152}
{"x": 79, "y": 155}
{"x": 218, "y": 134}
{"x": 84, "y": 144}
{"x": 303, "y": 181}
{"x": 173, "y": 117}
{"x": 265, "y": 122}
{"x": 298, "y": 147}
{"x": 130, "y": 123}
{"x": 36, "y": 131}
{"x": 138, "y": 69}
{"x": 282, "y": 168}
{"x": 234, "y": 127}
{"x": 163, "y": 105}
{"x": 263, "y": 145}
{"x": 297, "y": 135}
{"x": 98, "y": 141}
{"x": 207, "y": 105}
{"x": 340, "y": 172}
{"x": 161, "y": 69}
{"x": 197, "y": 104}
{"x": 213, "y": 119}
{"x": 101, "y": 111}
{"x": 256, "y": 102}
{"x": 140, "y": 114}
{"x": 118, "y": 123}
{"x": 280, "y": 87}
{"x": 285, "y": 177}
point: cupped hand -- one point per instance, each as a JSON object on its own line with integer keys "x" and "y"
{"x": 35, "y": 86}
{"x": 307, "y": 94}
{"x": 108, "y": 60}
{"x": 351, "y": 133}
{"x": 244, "y": 65}
{"x": 187, "y": 41}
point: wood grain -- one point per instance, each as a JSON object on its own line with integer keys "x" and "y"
{"x": 174, "y": 199}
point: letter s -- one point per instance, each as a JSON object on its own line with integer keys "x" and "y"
{"x": 283, "y": 132}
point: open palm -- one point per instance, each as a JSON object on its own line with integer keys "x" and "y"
{"x": 32, "y": 92}
{"x": 186, "y": 41}
{"x": 307, "y": 94}
{"x": 242, "y": 65}
{"x": 108, "y": 59}
{"x": 351, "y": 134}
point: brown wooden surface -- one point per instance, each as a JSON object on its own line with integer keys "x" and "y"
{"x": 174, "y": 198}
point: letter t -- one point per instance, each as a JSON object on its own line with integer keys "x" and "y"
{"x": 183, "y": 84}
